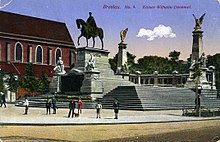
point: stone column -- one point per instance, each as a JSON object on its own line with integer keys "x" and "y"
{"x": 155, "y": 78}
{"x": 8, "y": 52}
{"x": 29, "y": 53}
{"x": 139, "y": 79}
{"x": 122, "y": 57}
{"x": 174, "y": 78}
{"x": 197, "y": 46}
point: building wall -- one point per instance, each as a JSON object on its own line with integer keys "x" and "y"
{"x": 8, "y": 54}
{"x": 5, "y": 56}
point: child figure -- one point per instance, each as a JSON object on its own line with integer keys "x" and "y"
{"x": 98, "y": 109}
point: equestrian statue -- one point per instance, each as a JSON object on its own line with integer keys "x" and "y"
{"x": 89, "y": 30}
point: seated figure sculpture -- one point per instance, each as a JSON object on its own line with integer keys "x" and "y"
{"x": 59, "y": 69}
{"x": 91, "y": 64}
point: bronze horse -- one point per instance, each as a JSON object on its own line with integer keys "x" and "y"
{"x": 86, "y": 32}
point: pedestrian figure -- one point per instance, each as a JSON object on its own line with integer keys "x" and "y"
{"x": 3, "y": 100}
{"x": 26, "y": 105}
{"x": 54, "y": 105}
{"x": 71, "y": 108}
{"x": 116, "y": 108}
{"x": 79, "y": 106}
{"x": 98, "y": 109}
{"x": 48, "y": 106}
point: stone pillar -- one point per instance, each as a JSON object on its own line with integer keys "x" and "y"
{"x": 144, "y": 80}
{"x": 8, "y": 52}
{"x": 174, "y": 78}
{"x": 55, "y": 85}
{"x": 30, "y": 53}
{"x": 155, "y": 78}
{"x": 212, "y": 77}
{"x": 139, "y": 79}
{"x": 122, "y": 57}
{"x": 197, "y": 46}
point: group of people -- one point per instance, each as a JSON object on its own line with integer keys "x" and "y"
{"x": 51, "y": 103}
{"x": 72, "y": 106}
{"x": 115, "y": 107}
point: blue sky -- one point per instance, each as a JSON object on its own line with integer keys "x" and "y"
{"x": 177, "y": 21}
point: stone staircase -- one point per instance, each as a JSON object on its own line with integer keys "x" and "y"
{"x": 209, "y": 99}
{"x": 150, "y": 98}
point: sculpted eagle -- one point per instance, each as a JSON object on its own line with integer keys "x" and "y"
{"x": 198, "y": 21}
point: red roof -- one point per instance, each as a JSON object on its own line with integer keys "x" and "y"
{"x": 34, "y": 27}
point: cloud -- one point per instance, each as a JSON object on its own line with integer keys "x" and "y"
{"x": 159, "y": 31}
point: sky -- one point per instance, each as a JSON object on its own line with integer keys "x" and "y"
{"x": 155, "y": 27}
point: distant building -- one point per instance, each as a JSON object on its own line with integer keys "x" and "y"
{"x": 25, "y": 39}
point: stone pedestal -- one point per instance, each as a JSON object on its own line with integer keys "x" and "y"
{"x": 92, "y": 85}
{"x": 84, "y": 56}
{"x": 122, "y": 57}
{"x": 55, "y": 85}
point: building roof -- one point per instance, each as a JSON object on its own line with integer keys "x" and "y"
{"x": 32, "y": 27}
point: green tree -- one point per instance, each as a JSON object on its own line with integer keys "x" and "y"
{"x": 29, "y": 82}
{"x": 149, "y": 64}
{"x": 174, "y": 58}
{"x": 197, "y": 73}
{"x": 113, "y": 63}
{"x": 44, "y": 83}
{"x": 12, "y": 82}
{"x": 130, "y": 64}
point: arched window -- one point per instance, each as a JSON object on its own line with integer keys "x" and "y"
{"x": 39, "y": 54}
{"x": 18, "y": 52}
{"x": 58, "y": 54}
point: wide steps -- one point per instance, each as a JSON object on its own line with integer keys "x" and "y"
{"x": 147, "y": 98}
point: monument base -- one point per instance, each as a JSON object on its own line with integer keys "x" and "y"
{"x": 92, "y": 85}
{"x": 100, "y": 79}
{"x": 55, "y": 84}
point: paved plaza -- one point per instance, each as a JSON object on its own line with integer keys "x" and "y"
{"x": 12, "y": 115}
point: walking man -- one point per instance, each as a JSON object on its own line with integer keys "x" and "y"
{"x": 26, "y": 104}
{"x": 48, "y": 106}
{"x": 3, "y": 100}
{"x": 71, "y": 108}
{"x": 98, "y": 109}
{"x": 54, "y": 105}
{"x": 116, "y": 108}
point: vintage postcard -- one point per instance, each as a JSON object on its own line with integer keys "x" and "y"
{"x": 109, "y": 70}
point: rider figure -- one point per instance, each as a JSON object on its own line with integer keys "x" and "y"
{"x": 92, "y": 23}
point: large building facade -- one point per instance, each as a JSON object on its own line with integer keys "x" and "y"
{"x": 25, "y": 39}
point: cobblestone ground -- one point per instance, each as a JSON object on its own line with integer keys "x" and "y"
{"x": 197, "y": 131}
